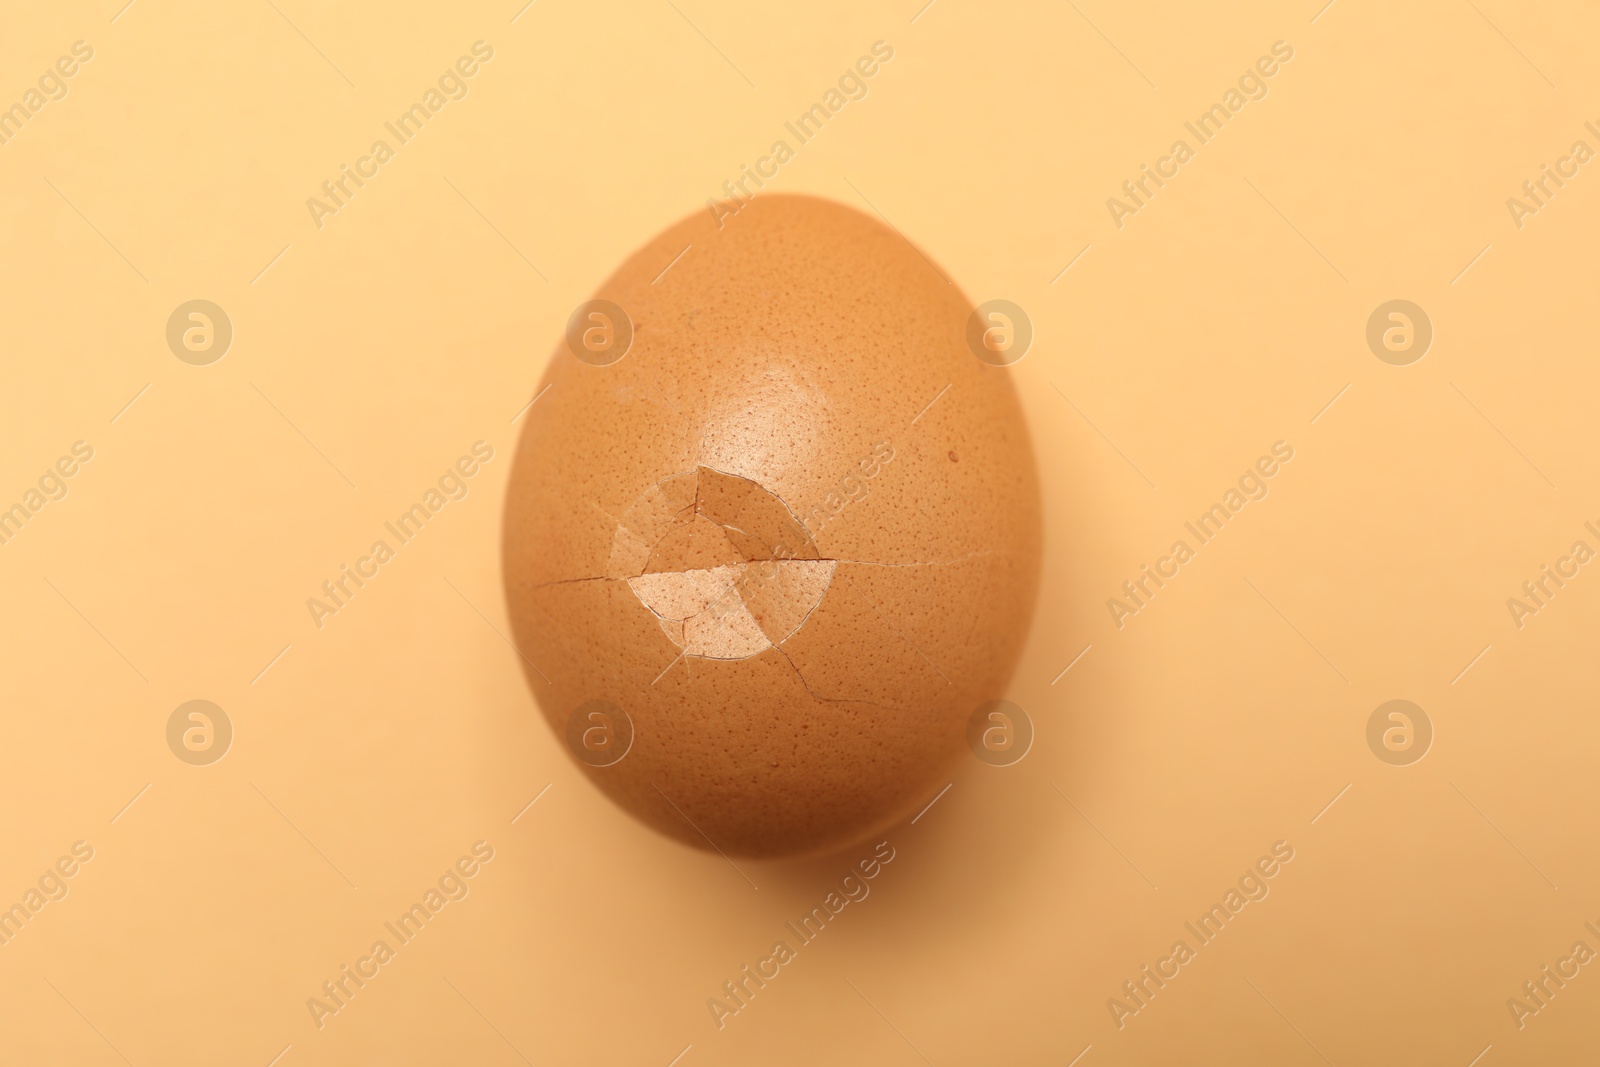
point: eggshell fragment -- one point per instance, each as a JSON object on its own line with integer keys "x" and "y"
{"x": 751, "y": 532}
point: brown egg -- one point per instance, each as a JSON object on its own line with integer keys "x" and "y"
{"x": 758, "y": 593}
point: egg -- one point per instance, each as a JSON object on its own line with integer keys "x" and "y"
{"x": 772, "y": 530}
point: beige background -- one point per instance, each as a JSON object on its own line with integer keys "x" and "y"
{"x": 1226, "y": 716}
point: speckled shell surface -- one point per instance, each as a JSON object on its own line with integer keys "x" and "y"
{"x": 793, "y": 533}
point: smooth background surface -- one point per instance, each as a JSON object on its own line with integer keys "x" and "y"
{"x": 1224, "y": 717}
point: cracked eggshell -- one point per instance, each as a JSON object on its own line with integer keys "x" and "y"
{"x": 793, "y": 533}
